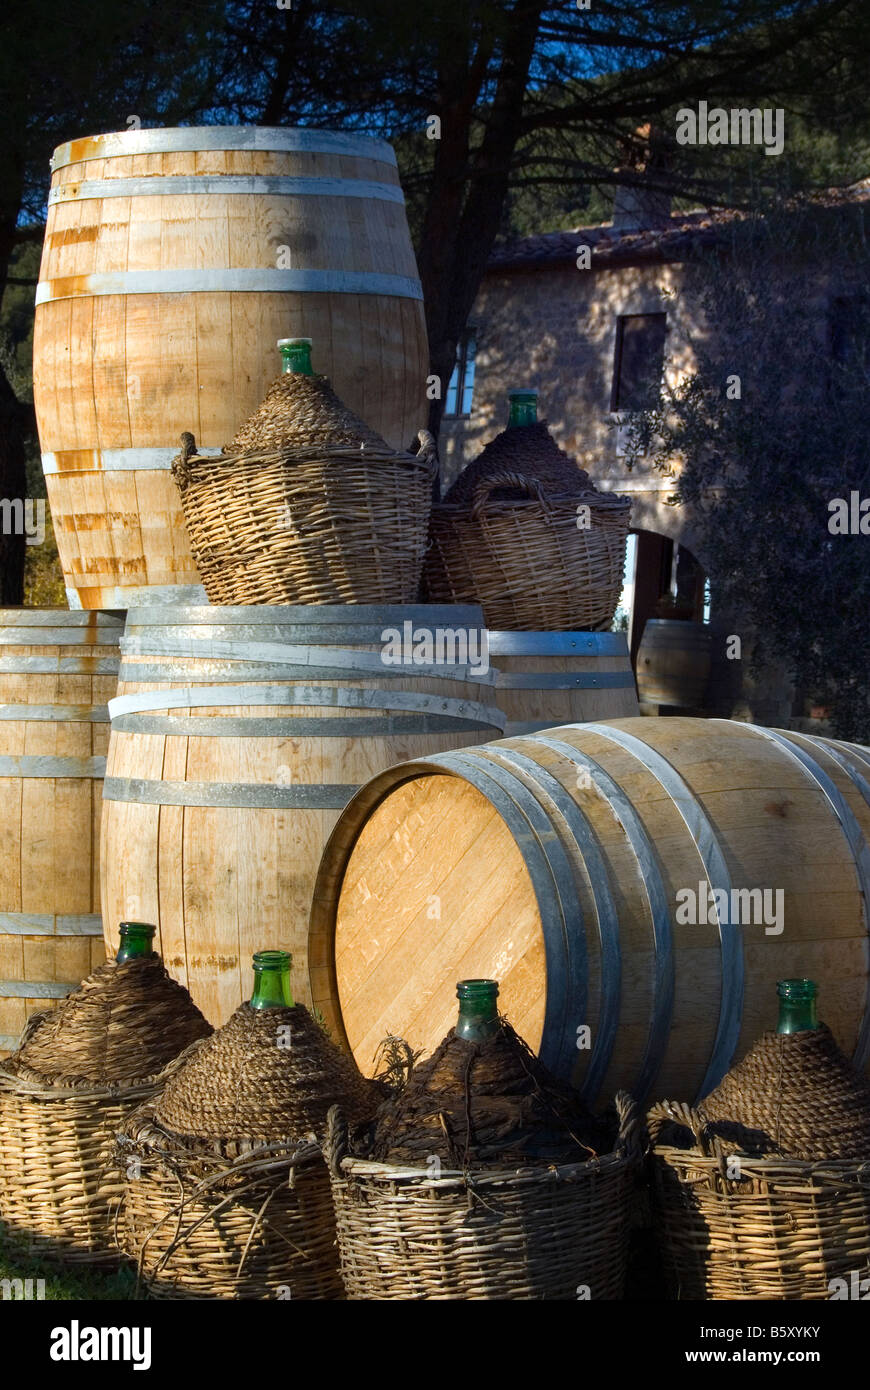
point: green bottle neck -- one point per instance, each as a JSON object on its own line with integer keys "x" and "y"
{"x": 136, "y": 940}
{"x": 478, "y": 1010}
{"x": 272, "y": 980}
{"x": 523, "y": 408}
{"x": 797, "y": 1006}
{"x": 296, "y": 356}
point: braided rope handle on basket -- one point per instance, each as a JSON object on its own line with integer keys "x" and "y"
{"x": 183, "y": 464}
{"x": 428, "y": 452}
{"x": 335, "y": 1144}
{"x": 630, "y": 1140}
{"x": 493, "y": 480}
{"x": 34, "y": 1021}
{"x": 678, "y": 1113}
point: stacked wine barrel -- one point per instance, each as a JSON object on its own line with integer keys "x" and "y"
{"x": 58, "y": 671}
{"x": 173, "y": 261}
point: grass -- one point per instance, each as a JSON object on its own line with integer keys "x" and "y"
{"x": 65, "y": 1284}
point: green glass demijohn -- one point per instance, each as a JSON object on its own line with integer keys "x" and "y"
{"x": 136, "y": 940}
{"x": 797, "y": 1006}
{"x": 478, "y": 1010}
{"x": 523, "y": 407}
{"x": 272, "y": 980}
{"x": 296, "y": 356}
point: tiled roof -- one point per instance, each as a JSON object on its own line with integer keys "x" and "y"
{"x": 616, "y": 246}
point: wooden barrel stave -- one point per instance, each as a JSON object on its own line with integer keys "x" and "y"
{"x": 673, "y": 663}
{"x": 140, "y": 297}
{"x": 57, "y": 672}
{"x": 229, "y": 867}
{"x": 669, "y": 1003}
{"x": 550, "y": 678}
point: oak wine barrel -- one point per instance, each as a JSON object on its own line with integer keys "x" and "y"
{"x": 173, "y": 261}
{"x": 565, "y": 864}
{"x": 673, "y": 663}
{"x": 57, "y": 672}
{"x": 238, "y": 735}
{"x": 546, "y": 678}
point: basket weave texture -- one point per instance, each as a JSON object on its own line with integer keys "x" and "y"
{"x": 227, "y": 1194}
{"x": 536, "y": 1231}
{"x": 529, "y": 451}
{"x": 306, "y": 505}
{"x": 511, "y": 535}
{"x": 80, "y": 1071}
{"x": 746, "y": 1227}
{"x": 483, "y": 1179}
{"x": 795, "y": 1094}
{"x": 476, "y": 1103}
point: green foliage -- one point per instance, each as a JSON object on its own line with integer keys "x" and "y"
{"x": 786, "y": 311}
{"x": 62, "y": 1284}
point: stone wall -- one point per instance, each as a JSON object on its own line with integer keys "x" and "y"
{"x": 556, "y": 329}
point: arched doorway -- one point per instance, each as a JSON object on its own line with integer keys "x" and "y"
{"x": 657, "y": 568}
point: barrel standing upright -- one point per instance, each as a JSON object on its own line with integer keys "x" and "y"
{"x": 173, "y": 260}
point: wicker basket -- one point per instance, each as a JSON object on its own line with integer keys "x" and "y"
{"x": 227, "y": 1194}
{"x": 782, "y": 1229}
{"x": 556, "y": 1231}
{"x": 525, "y": 559}
{"x": 307, "y": 506}
{"x": 794, "y": 1094}
{"x": 226, "y": 1221}
{"x": 58, "y": 1189}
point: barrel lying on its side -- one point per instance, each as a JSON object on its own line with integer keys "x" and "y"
{"x": 238, "y": 736}
{"x": 57, "y": 672}
{"x": 576, "y": 866}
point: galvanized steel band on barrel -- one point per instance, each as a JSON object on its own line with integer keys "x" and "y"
{"x": 58, "y": 617}
{"x": 567, "y": 961}
{"x": 187, "y": 185}
{"x": 55, "y": 714}
{"x": 565, "y": 680}
{"x": 518, "y": 814}
{"x": 44, "y": 924}
{"x": 313, "y": 796}
{"x": 37, "y": 765}
{"x": 858, "y": 847}
{"x": 654, "y": 891}
{"x": 322, "y": 621}
{"x": 65, "y": 461}
{"x": 36, "y": 989}
{"x": 557, "y": 643}
{"x": 191, "y": 139}
{"x": 459, "y": 714}
{"x": 238, "y": 281}
{"x": 730, "y": 939}
{"x": 311, "y": 659}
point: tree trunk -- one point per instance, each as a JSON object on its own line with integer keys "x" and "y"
{"x": 465, "y": 206}
{"x": 13, "y": 472}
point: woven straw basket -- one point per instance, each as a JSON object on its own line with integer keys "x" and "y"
{"x": 307, "y": 505}
{"x": 226, "y": 1220}
{"x": 525, "y": 559}
{"x": 227, "y": 1194}
{"x": 545, "y": 1232}
{"x": 783, "y": 1229}
{"x": 59, "y": 1192}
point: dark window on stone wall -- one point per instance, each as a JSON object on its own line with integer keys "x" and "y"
{"x": 639, "y": 361}
{"x": 461, "y": 388}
